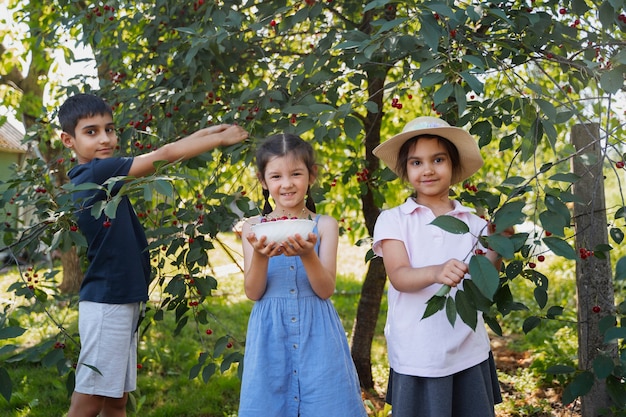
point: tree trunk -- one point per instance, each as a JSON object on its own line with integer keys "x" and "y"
{"x": 72, "y": 272}
{"x": 374, "y": 283}
{"x": 594, "y": 285}
{"x": 366, "y": 319}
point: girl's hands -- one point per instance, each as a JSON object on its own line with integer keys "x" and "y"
{"x": 262, "y": 247}
{"x": 297, "y": 245}
{"x": 451, "y": 273}
{"x": 294, "y": 246}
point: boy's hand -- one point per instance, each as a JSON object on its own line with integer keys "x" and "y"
{"x": 230, "y": 134}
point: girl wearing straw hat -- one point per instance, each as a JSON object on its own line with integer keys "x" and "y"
{"x": 437, "y": 370}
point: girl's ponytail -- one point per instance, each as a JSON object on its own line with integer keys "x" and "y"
{"x": 310, "y": 203}
{"x": 267, "y": 207}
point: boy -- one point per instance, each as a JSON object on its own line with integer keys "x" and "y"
{"x": 116, "y": 282}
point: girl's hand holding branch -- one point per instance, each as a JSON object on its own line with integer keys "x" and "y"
{"x": 451, "y": 272}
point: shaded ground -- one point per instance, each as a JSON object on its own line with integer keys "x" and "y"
{"x": 509, "y": 362}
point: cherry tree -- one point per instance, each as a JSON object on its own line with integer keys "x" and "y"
{"x": 345, "y": 75}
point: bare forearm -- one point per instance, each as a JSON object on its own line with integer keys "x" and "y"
{"x": 321, "y": 279}
{"x": 406, "y": 279}
{"x": 255, "y": 277}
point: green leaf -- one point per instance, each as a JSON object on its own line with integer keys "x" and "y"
{"x": 473, "y": 82}
{"x": 565, "y": 177}
{"x": 352, "y": 126}
{"x": 513, "y": 269}
{"x": 375, "y": 5}
{"x": 615, "y": 387}
{"x": 451, "y": 224}
{"x": 553, "y": 222}
{"x": 434, "y": 305}
{"x": 509, "y": 215}
{"x": 530, "y": 323}
{"x": 208, "y": 371}
{"x": 554, "y": 312}
{"x": 234, "y": 357}
{"x": 110, "y": 210}
{"x": 502, "y": 245}
{"x": 547, "y": 108}
{"x": 53, "y": 357}
{"x": 467, "y": 311}
{"x": 451, "y": 310}
{"x": 559, "y": 247}
{"x": 620, "y": 269}
{"x": 93, "y": 368}
{"x": 541, "y": 296}
{"x": 614, "y": 334}
{"x": 580, "y": 385}
{"x": 164, "y": 187}
{"x": 11, "y": 332}
{"x": 477, "y": 298}
{"x": 484, "y": 275}
{"x": 617, "y": 235}
{"x": 442, "y": 94}
{"x": 603, "y": 365}
{"x": 6, "y": 385}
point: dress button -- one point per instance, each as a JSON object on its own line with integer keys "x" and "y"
{"x": 292, "y": 291}
{"x": 292, "y": 267}
{"x": 295, "y": 346}
{"x": 293, "y": 319}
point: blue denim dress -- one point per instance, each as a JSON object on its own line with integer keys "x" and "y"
{"x": 297, "y": 362}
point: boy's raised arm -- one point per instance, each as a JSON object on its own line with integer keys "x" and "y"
{"x": 198, "y": 142}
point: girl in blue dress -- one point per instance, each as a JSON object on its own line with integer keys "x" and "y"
{"x": 297, "y": 362}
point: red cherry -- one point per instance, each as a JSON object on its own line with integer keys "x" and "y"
{"x": 209, "y": 332}
{"x": 532, "y": 265}
{"x": 229, "y": 345}
{"x": 619, "y": 164}
{"x": 106, "y": 223}
{"x": 562, "y": 10}
{"x": 139, "y": 366}
{"x": 541, "y": 258}
{"x": 73, "y": 228}
{"x": 273, "y": 23}
{"x": 596, "y": 309}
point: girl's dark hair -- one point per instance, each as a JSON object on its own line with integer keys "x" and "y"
{"x": 78, "y": 107}
{"x": 403, "y": 154}
{"x": 284, "y": 144}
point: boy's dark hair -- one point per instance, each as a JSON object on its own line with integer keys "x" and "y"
{"x": 79, "y": 107}
{"x": 281, "y": 145}
{"x": 403, "y": 154}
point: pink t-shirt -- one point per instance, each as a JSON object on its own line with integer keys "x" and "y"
{"x": 429, "y": 347}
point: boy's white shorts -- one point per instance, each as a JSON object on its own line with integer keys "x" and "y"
{"x": 107, "y": 364}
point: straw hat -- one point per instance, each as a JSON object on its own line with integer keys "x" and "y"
{"x": 471, "y": 160}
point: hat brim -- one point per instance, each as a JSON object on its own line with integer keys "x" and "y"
{"x": 469, "y": 153}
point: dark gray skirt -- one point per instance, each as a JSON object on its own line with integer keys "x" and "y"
{"x": 469, "y": 393}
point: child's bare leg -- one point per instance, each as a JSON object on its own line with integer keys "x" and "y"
{"x": 85, "y": 405}
{"x": 114, "y": 407}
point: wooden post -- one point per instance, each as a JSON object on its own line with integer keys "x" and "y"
{"x": 594, "y": 283}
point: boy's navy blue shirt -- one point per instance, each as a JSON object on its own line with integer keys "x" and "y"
{"x": 119, "y": 262}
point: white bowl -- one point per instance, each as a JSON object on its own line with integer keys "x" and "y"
{"x": 280, "y": 230}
